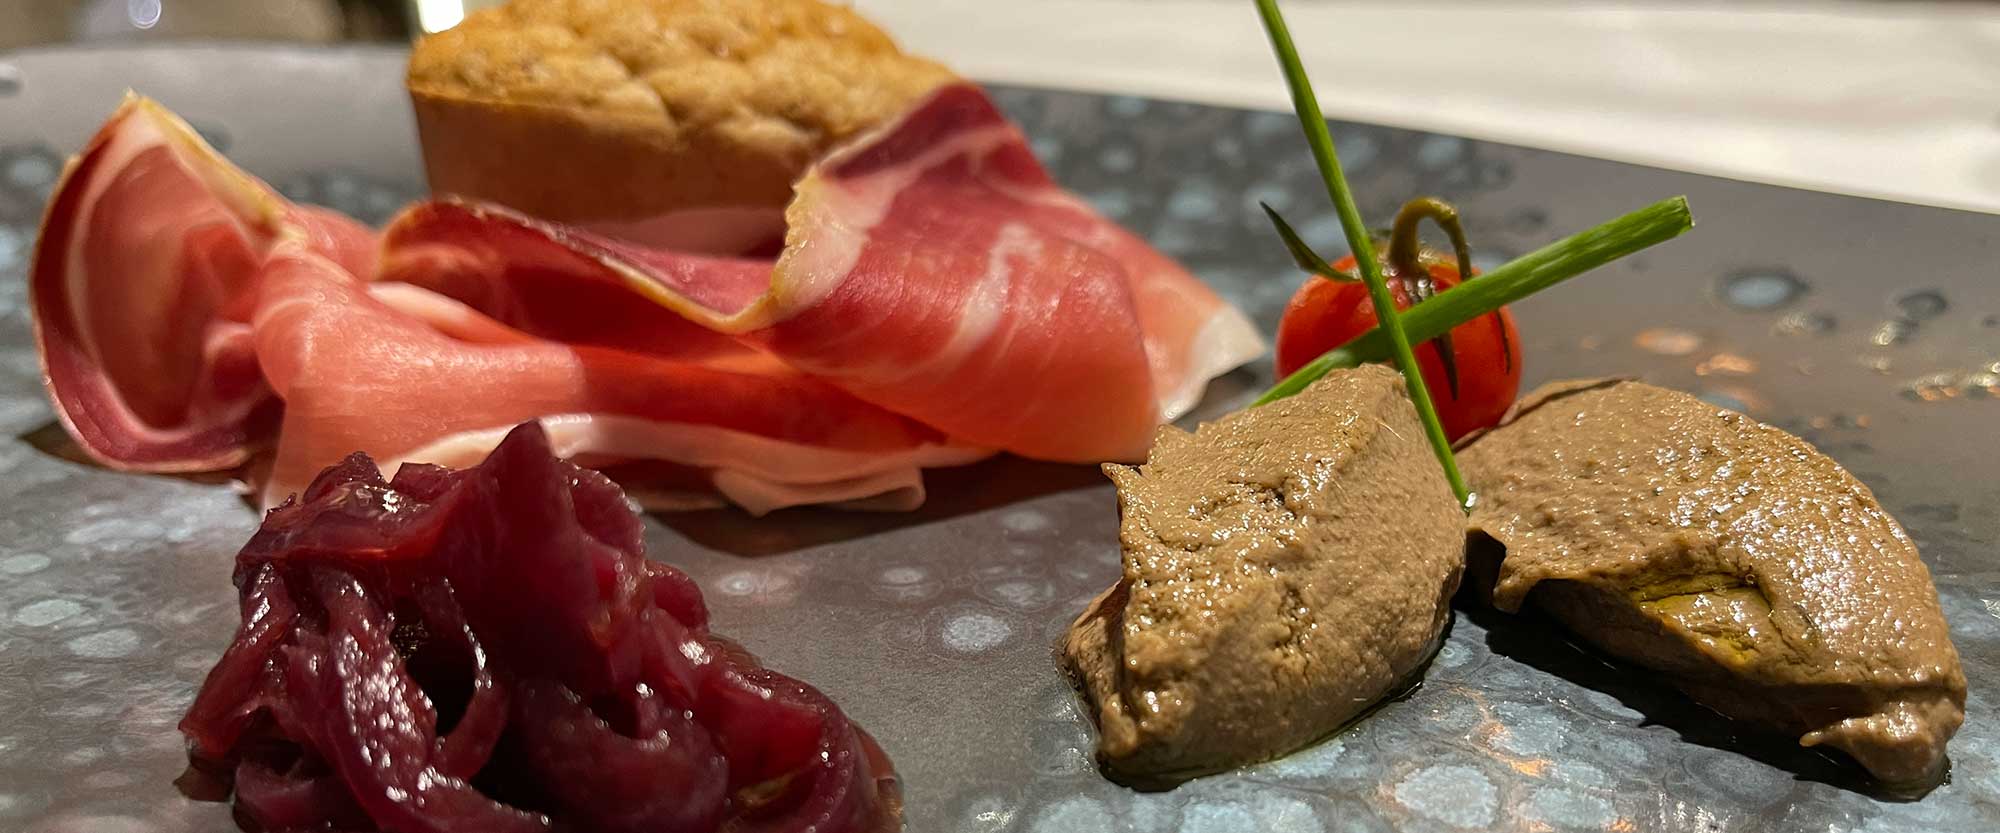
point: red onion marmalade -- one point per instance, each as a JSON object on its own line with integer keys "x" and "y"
{"x": 489, "y": 649}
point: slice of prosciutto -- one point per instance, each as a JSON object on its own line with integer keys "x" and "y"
{"x": 411, "y": 376}
{"x": 938, "y": 299}
{"x": 189, "y": 319}
{"x": 932, "y": 268}
{"x": 142, "y": 285}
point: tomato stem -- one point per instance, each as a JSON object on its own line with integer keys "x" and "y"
{"x": 1321, "y": 142}
{"x": 1405, "y": 250}
{"x": 1518, "y": 279}
{"x": 1406, "y": 254}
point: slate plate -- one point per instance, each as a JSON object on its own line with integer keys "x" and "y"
{"x": 1871, "y": 328}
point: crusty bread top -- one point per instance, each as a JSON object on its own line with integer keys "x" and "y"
{"x": 788, "y": 78}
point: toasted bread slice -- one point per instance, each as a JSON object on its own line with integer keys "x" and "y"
{"x": 621, "y": 111}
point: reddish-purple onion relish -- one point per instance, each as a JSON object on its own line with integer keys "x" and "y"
{"x": 489, "y": 649}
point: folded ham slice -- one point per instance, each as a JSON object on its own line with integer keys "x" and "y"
{"x": 932, "y": 268}
{"x": 184, "y": 309}
{"x": 413, "y": 376}
{"x": 142, "y": 284}
{"x": 938, "y": 299}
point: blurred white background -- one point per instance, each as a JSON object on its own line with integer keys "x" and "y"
{"x": 1899, "y": 100}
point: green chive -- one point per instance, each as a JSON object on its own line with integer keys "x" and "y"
{"x": 1321, "y": 142}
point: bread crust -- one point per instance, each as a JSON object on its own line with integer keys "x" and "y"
{"x": 623, "y": 110}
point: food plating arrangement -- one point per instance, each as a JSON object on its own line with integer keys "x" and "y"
{"x": 751, "y": 263}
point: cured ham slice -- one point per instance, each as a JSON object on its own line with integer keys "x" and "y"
{"x": 932, "y": 268}
{"x": 938, "y": 299}
{"x": 954, "y": 169}
{"x": 142, "y": 285}
{"x": 407, "y": 376}
{"x": 185, "y": 311}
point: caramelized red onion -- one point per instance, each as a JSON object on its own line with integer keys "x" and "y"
{"x": 489, "y": 649}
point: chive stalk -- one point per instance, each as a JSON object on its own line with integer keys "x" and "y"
{"x": 1518, "y": 279}
{"x": 1321, "y": 142}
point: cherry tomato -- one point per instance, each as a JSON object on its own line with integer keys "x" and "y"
{"x": 1326, "y": 314}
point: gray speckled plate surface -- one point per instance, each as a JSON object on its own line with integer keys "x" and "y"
{"x": 1870, "y": 328}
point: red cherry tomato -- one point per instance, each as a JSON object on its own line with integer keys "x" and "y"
{"x": 1326, "y": 314}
